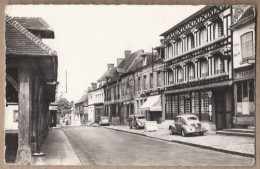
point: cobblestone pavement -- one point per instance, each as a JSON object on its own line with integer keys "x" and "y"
{"x": 240, "y": 144}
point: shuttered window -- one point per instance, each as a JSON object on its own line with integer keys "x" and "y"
{"x": 204, "y": 68}
{"x": 203, "y": 36}
{"x": 247, "y": 45}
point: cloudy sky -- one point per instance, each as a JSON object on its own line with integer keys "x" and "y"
{"x": 87, "y": 37}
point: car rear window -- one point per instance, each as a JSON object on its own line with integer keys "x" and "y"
{"x": 141, "y": 117}
{"x": 192, "y": 118}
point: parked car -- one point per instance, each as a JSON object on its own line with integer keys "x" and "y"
{"x": 137, "y": 121}
{"x": 187, "y": 124}
{"x": 104, "y": 121}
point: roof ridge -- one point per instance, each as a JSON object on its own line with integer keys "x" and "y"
{"x": 29, "y": 35}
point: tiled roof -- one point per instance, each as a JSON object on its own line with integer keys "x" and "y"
{"x": 36, "y": 25}
{"x": 249, "y": 12}
{"x": 131, "y": 60}
{"x": 83, "y": 99}
{"x": 19, "y": 41}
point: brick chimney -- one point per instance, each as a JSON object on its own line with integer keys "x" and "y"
{"x": 127, "y": 53}
{"x": 119, "y": 60}
{"x": 110, "y": 65}
{"x": 93, "y": 85}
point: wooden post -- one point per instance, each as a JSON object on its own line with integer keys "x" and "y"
{"x": 24, "y": 155}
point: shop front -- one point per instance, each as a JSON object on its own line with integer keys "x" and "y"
{"x": 244, "y": 97}
{"x": 210, "y": 103}
{"x": 153, "y": 108}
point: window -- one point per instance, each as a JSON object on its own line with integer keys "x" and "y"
{"x": 218, "y": 29}
{"x": 191, "y": 70}
{"x": 245, "y": 97}
{"x": 144, "y": 82}
{"x": 179, "y": 46}
{"x": 219, "y": 65}
{"x": 195, "y": 102}
{"x": 139, "y": 83}
{"x": 247, "y": 45}
{"x": 203, "y": 36}
{"x": 151, "y": 80}
{"x": 180, "y": 75}
{"x": 204, "y": 68}
{"x": 16, "y": 115}
{"x": 190, "y": 42}
{"x": 158, "y": 79}
{"x": 204, "y": 102}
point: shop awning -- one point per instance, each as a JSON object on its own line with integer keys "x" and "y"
{"x": 202, "y": 87}
{"x": 153, "y": 103}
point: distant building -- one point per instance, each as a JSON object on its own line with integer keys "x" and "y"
{"x": 81, "y": 114}
{"x": 149, "y": 80}
{"x": 244, "y": 67}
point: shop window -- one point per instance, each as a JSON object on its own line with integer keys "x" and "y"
{"x": 181, "y": 101}
{"x": 168, "y": 108}
{"x": 175, "y": 104}
{"x": 247, "y": 45}
{"x": 239, "y": 92}
{"x": 245, "y": 92}
{"x": 251, "y": 91}
{"x": 204, "y": 102}
{"x": 195, "y": 102}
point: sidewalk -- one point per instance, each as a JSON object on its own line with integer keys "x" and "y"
{"x": 58, "y": 150}
{"x": 238, "y": 145}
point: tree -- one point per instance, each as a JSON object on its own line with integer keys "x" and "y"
{"x": 64, "y": 106}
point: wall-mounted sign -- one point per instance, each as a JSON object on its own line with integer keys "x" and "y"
{"x": 154, "y": 93}
{"x": 244, "y": 74}
{"x": 53, "y": 107}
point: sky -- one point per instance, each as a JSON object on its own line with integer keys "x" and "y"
{"x": 88, "y": 37}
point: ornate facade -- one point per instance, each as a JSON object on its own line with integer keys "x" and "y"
{"x": 198, "y": 66}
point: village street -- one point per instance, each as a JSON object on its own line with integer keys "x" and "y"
{"x": 101, "y": 146}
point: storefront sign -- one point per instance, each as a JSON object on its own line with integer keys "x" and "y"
{"x": 154, "y": 93}
{"x": 244, "y": 75}
{"x": 53, "y": 107}
{"x": 151, "y": 126}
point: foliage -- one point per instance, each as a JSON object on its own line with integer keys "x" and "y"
{"x": 64, "y": 106}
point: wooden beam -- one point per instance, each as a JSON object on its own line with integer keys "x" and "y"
{"x": 12, "y": 81}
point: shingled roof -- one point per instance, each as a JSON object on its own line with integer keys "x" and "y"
{"x": 36, "y": 25}
{"x": 20, "y": 42}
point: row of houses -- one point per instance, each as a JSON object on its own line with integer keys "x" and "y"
{"x": 205, "y": 65}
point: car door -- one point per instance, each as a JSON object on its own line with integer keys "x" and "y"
{"x": 179, "y": 124}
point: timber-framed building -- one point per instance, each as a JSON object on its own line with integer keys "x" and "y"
{"x": 198, "y": 67}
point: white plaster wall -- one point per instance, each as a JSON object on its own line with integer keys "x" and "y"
{"x": 91, "y": 113}
{"x": 9, "y": 117}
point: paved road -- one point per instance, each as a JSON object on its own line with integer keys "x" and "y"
{"x": 100, "y": 146}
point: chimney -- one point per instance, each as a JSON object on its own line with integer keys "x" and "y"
{"x": 127, "y": 53}
{"x": 110, "y": 65}
{"x": 119, "y": 60}
{"x": 94, "y": 85}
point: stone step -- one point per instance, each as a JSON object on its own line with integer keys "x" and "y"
{"x": 240, "y": 130}
{"x": 235, "y": 133}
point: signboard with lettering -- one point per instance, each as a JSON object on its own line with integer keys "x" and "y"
{"x": 244, "y": 75}
{"x": 53, "y": 107}
{"x": 151, "y": 126}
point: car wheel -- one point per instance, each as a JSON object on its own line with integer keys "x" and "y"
{"x": 183, "y": 133}
{"x": 130, "y": 126}
{"x": 201, "y": 134}
{"x": 137, "y": 127}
